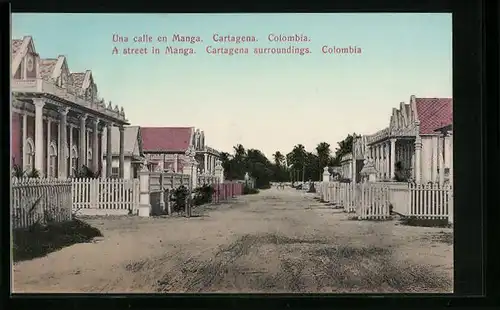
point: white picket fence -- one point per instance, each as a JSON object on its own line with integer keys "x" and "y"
{"x": 105, "y": 196}
{"x": 372, "y": 200}
{"x": 40, "y": 201}
{"x": 430, "y": 201}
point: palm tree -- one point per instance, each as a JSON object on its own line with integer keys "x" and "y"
{"x": 279, "y": 158}
{"x": 323, "y": 150}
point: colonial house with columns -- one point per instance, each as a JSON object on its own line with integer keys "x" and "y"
{"x": 58, "y": 121}
{"x": 414, "y": 141}
{"x": 165, "y": 149}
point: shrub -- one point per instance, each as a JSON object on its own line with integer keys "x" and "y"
{"x": 203, "y": 194}
{"x": 87, "y": 173}
{"x": 312, "y": 189}
{"x": 247, "y": 190}
{"x": 18, "y": 172}
{"x": 179, "y": 198}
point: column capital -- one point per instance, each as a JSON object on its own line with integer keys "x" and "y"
{"x": 83, "y": 116}
{"x": 108, "y": 124}
{"x": 39, "y": 103}
{"x": 121, "y": 128}
{"x": 96, "y": 121}
{"x": 63, "y": 110}
{"x": 392, "y": 140}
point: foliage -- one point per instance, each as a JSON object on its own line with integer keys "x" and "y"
{"x": 247, "y": 190}
{"x": 203, "y": 194}
{"x": 179, "y": 198}
{"x": 312, "y": 189}
{"x": 297, "y": 165}
{"x": 18, "y": 172}
{"x": 400, "y": 174}
{"x": 87, "y": 173}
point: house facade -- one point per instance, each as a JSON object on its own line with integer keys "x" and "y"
{"x": 412, "y": 143}
{"x": 58, "y": 121}
{"x": 165, "y": 149}
{"x": 132, "y": 150}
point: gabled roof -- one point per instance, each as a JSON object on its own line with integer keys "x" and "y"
{"x": 166, "y": 139}
{"x": 433, "y": 113}
{"x": 78, "y": 78}
{"x": 47, "y": 68}
{"x": 131, "y": 146}
{"x": 16, "y": 45}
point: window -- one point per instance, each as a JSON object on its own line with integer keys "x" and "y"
{"x": 114, "y": 172}
{"x": 89, "y": 159}
{"x": 29, "y": 154}
{"x": 74, "y": 159}
{"x": 51, "y": 173}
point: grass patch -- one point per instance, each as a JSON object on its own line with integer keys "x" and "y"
{"x": 414, "y": 221}
{"x": 250, "y": 191}
{"x": 42, "y": 240}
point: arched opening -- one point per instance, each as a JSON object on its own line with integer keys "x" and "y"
{"x": 29, "y": 154}
{"x": 74, "y": 159}
{"x": 52, "y": 160}
{"x": 89, "y": 159}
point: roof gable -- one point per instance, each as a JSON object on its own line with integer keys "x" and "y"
{"x": 433, "y": 113}
{"x": 167, "y": 139}
{"x": 131, "y": 143}
{"x": 47, "y": 67}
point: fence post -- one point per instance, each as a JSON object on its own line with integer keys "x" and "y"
{"x": 450, "y": 205}
{"x": 162, "y": 193}
{"x": 144, "y": 204}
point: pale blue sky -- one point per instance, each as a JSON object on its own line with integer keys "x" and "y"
{"x": 269, "y": 102}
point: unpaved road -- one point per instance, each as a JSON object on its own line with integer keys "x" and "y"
{"x": 276, "y": 241}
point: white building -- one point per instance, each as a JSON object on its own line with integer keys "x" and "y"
{"x": 413, "y": 141}
{"x": 132, "y": 151}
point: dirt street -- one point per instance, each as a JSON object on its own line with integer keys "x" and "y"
{"x": 275, "y": 241}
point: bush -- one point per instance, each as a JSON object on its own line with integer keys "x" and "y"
{"x": 179, "y": 198}
{"x": 249, "y": 191}
{"x": 203, "y": 195}
{"x": 312, "y": 189}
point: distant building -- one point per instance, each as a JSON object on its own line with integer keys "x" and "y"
{"x": 132, "y": 149}
{"x": 165, "y": 148}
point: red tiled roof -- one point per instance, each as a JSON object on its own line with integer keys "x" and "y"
{"x": 170, "y": 139}
{"x": 434, "y": 113}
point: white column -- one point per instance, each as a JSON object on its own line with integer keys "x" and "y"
{"x": 70, "y": 148}
{"x": 95, "y": 145}
{"x": 387, "y": 160}
{"x": 450, "y": 165}
{"x": 441, "y": 160}
{"x": 379, "y": 157}
{"x": 434, "y": 174}
{"x": 213, "y": 165}
{"x": 206, "y": 163}
{"x": 176, "y": 163}
{"x": 109, "y": 150}
{"x": 25, "y": 137}
{"x": 354, "y": 174}
{"x": 122, "y": 153}
{"x": 83, "y": 143}
{"x": 103, "y": 152}
{"x": 39, "y": 104}
{"x": 49, "y": 125}
{"x": 393, "y": 158}
{"x": 418, "y": 150}
{"x": 61, "y": 144}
